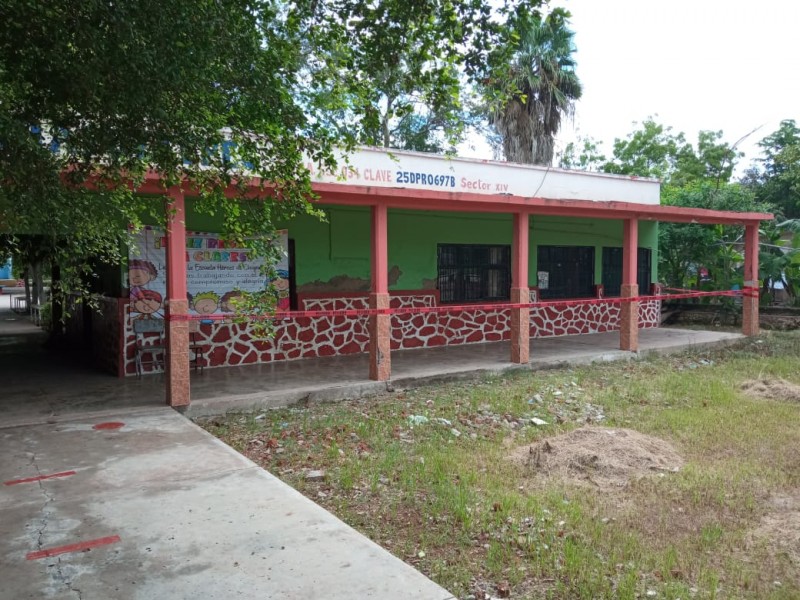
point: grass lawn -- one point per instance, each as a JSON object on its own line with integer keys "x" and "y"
{"x": 426, "y": 473}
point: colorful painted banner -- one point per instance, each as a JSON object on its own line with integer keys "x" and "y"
{"x": 216, "y": 273}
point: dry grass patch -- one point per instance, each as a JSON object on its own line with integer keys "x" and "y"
{"x": 772, "y": 389}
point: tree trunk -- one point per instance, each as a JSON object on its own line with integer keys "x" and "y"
{"x": 387, "y": 138}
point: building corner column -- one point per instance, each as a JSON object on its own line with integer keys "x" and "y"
{"x": 380, "y": 339}
{"x": 750, "y": 296}
{"x": 520, "y": 292}
{"x": 629, "y": 318}
{"x": 520, "y": 327}
{"x": 380, "y": 325}
{"x": 629, "y": 309}
{"x": 177, "y": 305}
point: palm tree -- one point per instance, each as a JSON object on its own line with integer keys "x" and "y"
{"x": 538, "y": 88}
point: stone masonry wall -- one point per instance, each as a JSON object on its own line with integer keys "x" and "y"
{"x": 230, "y": 344}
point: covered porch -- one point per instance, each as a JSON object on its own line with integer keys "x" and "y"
{"x": 425, "y": 183}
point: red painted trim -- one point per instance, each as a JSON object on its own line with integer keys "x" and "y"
{"x": 348, "y": 194}
{"x": 751, "y": 254}
{"x": 109, "y": 426}
{"x": 519, "y": 251}
{"x": 39, "y": 478}
{"x": 469, "y": 202}
{"x": 79, "y": 547}
{"x": 379, "y": 256}
{"x": 630, "y": 250}
{"x": 176, "y": 246}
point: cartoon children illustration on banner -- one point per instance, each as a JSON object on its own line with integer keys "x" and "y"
{"x": 217, "y": 274}
{"x": 145, "y": 303}
{"x": 281, "y": 285}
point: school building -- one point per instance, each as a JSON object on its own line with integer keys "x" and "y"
{"x": 416, "y": 251}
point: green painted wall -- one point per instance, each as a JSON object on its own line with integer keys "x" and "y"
{"x": 341, "y": 245}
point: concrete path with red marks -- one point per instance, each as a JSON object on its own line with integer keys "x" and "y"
{"x": 154, "y": 507}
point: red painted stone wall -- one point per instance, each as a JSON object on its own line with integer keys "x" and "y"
{"x": 308, "y": 337}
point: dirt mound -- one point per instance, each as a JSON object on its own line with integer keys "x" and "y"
{"x": 602, "y": 457}
{"x": 772, "y": 389}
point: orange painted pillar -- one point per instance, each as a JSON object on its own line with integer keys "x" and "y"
{"x": 520, "y": 293}
{"x": 629, "y": 311}
{"x": 177, "y": 305}
{"x": 750, "y": 325}
{"x": 380, "y": 326}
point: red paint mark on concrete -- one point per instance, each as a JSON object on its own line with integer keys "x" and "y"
{"x": 109, "y": 425}
{"x": 79, "y": 547}
{"x": 39, "y": 478}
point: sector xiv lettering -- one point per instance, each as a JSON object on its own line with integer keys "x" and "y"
{"x": 484, "y": 186}
{"x": 413, "y": 177}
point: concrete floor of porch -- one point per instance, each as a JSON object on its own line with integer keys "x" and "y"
{"x": 222, "y": 390}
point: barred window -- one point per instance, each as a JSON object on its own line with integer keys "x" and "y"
{"x": 474, "y": 272}
{"x": 569, "y": 272}
{"x": 612, "y": 270}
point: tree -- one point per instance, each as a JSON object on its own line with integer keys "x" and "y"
{"x": 695, "y": 177}
{"x": 195, "y": 90}
{"x": 529, "y": 96}
{"x": 584, "y": 154}
{"x": 650, "y": 151}
{"x": 778, "y": 181}
{"x": 653, "y": 150}
{"x": 109, "y": 90}
{"x": 406, "y": 66}
{"x": 684, "y": 247}
{"x": 779, "y": 256}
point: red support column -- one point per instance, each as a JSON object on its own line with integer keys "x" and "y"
{"x": 629, "y": 311}
{"x": 520, "y": 292}
{"x": 380, "y": 326}
{"x": 750, "y": 324}
{"x": 177, "y": 305}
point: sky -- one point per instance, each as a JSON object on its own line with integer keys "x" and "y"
{"x": 730, "y": 65}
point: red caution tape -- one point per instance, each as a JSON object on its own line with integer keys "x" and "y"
{"x": 368, "y": 312}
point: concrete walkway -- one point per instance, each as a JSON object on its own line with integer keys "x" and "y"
{"x": 159, "y": 509}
